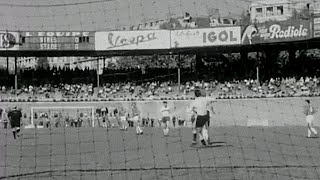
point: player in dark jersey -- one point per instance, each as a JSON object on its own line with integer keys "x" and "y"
{"x": 15, "y": 120}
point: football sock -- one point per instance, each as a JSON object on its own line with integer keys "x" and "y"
{"x": 166, "y": 131}
{"x": 194, "y": 137}
{"x": 205, "y": 134}
{"x": 139, "y": 130}
{"x": 14, "y": 134}
{"x": 203, "y": 142}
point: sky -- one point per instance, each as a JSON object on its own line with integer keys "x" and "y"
{"x": 99, "y": 15}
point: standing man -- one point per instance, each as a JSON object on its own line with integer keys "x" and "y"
{"x": 210, "y": 112}
{"x": 123, "y": 119}
{"x": 104, "y": 114}
{"x": 4, "y": 118}
{"x": 165, "y": 111}
{"x": 174, "y": 121}
{"x": 309, "y": 111}
{"x": 87, "y": 120}
{"x": 67, "y": 120}
{"x": 201, "y": 116}
{"x": 15, "y": 120}
{"x": 136, "y": 118}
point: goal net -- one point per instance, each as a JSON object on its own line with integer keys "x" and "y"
{"x": 251, "y": 139}
{"x": 62, "y": 116}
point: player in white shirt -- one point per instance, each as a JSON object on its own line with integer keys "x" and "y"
{"x": 165, "y": 112}
{"x": 201, "y": 108}
{"x": 136, "y": 118}
{"x": 123, "y": 118}
{"x": 309, "y": 111}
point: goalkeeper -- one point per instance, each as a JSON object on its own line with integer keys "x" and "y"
{"x": 15, "y": 121}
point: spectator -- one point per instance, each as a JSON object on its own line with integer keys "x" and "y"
{"x": 174, "y": 121}
{"x": 4, "y": 118}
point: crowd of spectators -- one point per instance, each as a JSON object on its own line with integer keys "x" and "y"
{"x": 275, "y": 86}
{"x": 157, "y": 80}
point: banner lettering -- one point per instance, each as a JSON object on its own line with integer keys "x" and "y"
{"x": 205, "y": 37}
{"x": 132, "y": 40}
{"x": 269, "y": 32}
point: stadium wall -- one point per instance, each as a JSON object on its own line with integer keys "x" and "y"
{"x": 229, "y": 112}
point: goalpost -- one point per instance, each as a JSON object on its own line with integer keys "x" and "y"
{"x": 63, "y": 110}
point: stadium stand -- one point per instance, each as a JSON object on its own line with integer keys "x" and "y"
{"x": 279, "y": 86}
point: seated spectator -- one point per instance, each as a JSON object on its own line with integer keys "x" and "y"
{"x": 3, "y": 89}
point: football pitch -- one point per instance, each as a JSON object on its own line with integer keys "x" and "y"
{"x": 237, "y": 152}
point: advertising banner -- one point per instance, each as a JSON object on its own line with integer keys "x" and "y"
{"x": 9, "y": 41}
{"x": 205, "y": 37}
{"x": 316, "y": 27}
{"x": 270, "y": 32}
{"x": 57, "y": 40}
{"x": 132, "y": 40}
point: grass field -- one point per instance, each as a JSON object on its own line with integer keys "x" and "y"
{"x": 95, "y": 153}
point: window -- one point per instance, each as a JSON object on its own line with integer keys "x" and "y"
{"x": 227, "y": 21}
{"x": 23, "y": 39}
{"x": 279, "y": 10}
{"x": 259, "y": 12}
{"x": 269, "y": 11}
{"x": 234, "y": 22}
{"x": 84, "y": 39}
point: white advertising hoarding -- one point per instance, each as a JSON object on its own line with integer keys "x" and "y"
{"x": 132, "y": 40}
{"x": 217, "y": 36}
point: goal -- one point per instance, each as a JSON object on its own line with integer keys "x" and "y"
{"x": 61, "y": 115}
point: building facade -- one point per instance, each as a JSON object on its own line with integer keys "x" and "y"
{"x": 281, "y": 10}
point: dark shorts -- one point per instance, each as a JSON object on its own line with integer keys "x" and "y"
{"x": 202, "y": 120}
{"x": 15, "y": 124}
{"x": 165, "y": 119}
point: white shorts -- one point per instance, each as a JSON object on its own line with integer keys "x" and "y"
{"x": 122, "y": 118}
{"x": 309, "y": 118}
{"x": 135, "y": 118}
